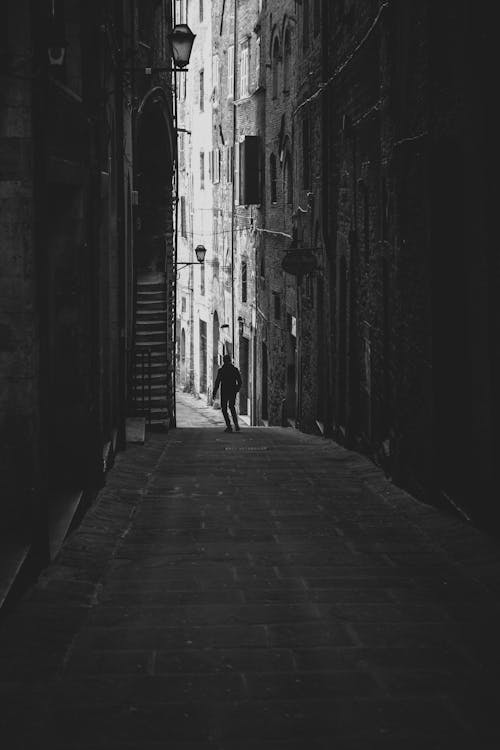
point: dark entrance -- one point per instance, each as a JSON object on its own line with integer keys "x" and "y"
{"x": 265, "y": 376}
{"x": 203, "y": 356}
{"x": 244, "y": 357}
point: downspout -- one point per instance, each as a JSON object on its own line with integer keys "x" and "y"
{"x": 253, "y": 419}
{"x": 233, "y": 192}
{"x": 173, "y": 335}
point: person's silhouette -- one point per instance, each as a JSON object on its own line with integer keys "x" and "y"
{"x": 229, "y": 380}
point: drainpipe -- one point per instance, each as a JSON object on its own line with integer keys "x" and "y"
{"x": 173, "y": 333}
{"x": 233, "y": 192}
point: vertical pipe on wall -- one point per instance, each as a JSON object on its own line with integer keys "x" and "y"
{"x": 173, "y": 285}
{"x": 235, "y": 69}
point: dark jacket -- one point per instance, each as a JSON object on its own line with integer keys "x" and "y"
{"x": 229, "y": 379}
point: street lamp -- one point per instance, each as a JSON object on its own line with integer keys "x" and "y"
{"x": 200, "y": 251}
{"x": 181, "y": 39}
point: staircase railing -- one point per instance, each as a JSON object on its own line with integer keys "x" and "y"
{"x": 141, "y": 382}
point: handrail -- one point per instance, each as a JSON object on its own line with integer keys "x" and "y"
{"x": 141, "y": 386}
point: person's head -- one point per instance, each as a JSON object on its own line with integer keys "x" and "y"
{"x": 226, "y": 359}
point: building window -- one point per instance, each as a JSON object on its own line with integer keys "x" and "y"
{"x": 287, "y": 57}
{"x": 305, "y": 24}
{"x": 215, "y": 77}
{"x": 257, "y": 62}
{"x": 183, "y": 217}
{"x": 202, "y": 170}
{"x": 273, "y": 178}
{"x": 182, "y": 89}
{"x": 276, "y": 57}
{"x": 182, "y": 11}
{"x": 215, "y": 165}
{"x": 244, "y": 290}
{"x": 202, "y": 90}
{"x": 277, "y": 305}
{"x": 230, "y": 72}
{"x": 306, "y": 163}
{"x": 183, "y": 304}
{"x": 202, "y": 279}
{"x": 229, "y": 163}
{"x": 201, "y": 11}
{"x": 182, "y": 151}
{"x": 244, "y": 68}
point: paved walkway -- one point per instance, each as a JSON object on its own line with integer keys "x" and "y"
{"x": 265, "y": 590}
{"x": 193, "y": 412}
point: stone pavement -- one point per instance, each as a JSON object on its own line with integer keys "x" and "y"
{"x": 266, "y": 590}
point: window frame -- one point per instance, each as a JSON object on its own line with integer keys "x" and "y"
{"x": 230, "y": 71}
{"x": 202, "y": 89}
{"x": 244, "y": 78}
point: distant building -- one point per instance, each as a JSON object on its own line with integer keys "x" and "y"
{"x": 195, "y": 199}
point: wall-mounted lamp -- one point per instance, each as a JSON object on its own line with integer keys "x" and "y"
{"x": 181, "y": 38}
{"x": 200, "y": 251}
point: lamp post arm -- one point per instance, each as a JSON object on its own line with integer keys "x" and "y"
{"x": 192, "y": 263}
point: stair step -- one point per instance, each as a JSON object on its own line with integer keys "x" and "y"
{"x": 151, "y": 308}
{"x": 143, "y": 286}
{"x": 145, "y": 335}
{"x": 150, "y": 294}
{"x": 151, "y": 325}
{"x": 151, "y": 315}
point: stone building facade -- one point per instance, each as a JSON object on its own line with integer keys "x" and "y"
{"x": 194, "y": 214}
{"x": 373, "y": 137}
{"x": 83, "y": 105}
{"x": 397, "y": 325}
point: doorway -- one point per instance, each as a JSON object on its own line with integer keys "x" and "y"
{"x": 244, "y": 362}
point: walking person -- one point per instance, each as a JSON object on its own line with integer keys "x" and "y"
{"x": 229, "y": 379}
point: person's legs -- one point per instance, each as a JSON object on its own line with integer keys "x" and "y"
{"x": 223, "y": 406}
{"x": 232, "y": 402}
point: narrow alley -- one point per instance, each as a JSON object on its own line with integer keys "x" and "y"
{"x": 261, "y": 590}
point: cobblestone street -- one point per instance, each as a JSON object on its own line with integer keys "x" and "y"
{"x": 264, "y": 590}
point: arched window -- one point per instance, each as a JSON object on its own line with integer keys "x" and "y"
{"x": 273, "y": 178}
{"x": 287, "y": 58}
{"x": 276, "y": 57}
